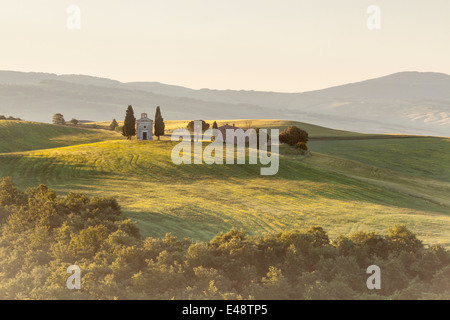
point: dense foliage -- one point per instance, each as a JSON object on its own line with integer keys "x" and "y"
{"x": 293, "y": 135}
{"x": 41, "y": 234}
{"x": 58, "y": 118}
{"x": 191, "y": 125}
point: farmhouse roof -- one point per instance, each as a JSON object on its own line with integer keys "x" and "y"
{"x": 227, "y": 126}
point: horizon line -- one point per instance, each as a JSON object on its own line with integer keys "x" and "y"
{"x": 212, "y": 89}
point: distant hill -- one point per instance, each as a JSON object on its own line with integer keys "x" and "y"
{"x": 406, "y": 102}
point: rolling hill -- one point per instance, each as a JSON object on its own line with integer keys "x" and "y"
{"x": 401, "y": 103}
{"x": 21, "y": 136}
{"x": 345, "y": 186}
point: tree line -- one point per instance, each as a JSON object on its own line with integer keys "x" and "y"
{"x": 293, "y": 135}
{"x": 3, "y": 117}
{"x": 42, "y": 234}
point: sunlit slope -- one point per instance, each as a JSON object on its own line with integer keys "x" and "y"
{"x": 23, "y": 135}
{"x": 200, "y": 200}
{"x": 426, "y": 157}
{"x": 313, "y": 130}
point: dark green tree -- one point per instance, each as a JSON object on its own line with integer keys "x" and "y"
{"x": 113, "y": 125}
{"x": 191, "y": 126}
{"x": 205, "y": 126}
{"x": 159, "y": 123}
{"x": 74, "y": 121}
{"x": 293, "y": 135}
{"x": 129, "y": 126}
{"x": 58, "y": 118}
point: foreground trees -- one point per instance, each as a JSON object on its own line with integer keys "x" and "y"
{"x": 41, "y": 234}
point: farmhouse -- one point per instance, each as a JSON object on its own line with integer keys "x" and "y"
{"x": 238, "y": 134}
{"x": 144, "y": 128}
{"x": 223, "y": 129}
{"x": 235, "y": 147}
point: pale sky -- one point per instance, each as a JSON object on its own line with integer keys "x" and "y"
{"x": 284, "y": 45}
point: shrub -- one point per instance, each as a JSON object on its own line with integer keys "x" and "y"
{"x": 293, "y": 135}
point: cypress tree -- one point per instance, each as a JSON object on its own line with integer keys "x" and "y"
{"x": 159, "y": 123}
{"x": 113, "y": 125}
{"x": 129, "y": 126}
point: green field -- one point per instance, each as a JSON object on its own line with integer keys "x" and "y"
{"x": 424, "y": 157}
{"x": 346, "y": 185}
{"x": 23, "y": 136}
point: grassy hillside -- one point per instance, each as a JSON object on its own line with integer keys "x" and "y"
{"x": 22, "y": 136}
{"x": 341, "y": 194}
{"x": 424, "y": 157}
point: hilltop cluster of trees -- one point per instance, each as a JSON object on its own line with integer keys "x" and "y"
{"x": 58, "y": 118}
{"x": 2, "y": 117}
{"x": 191, "y": 125}
{"x": 42, "y": 234}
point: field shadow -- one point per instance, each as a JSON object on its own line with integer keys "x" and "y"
{"x": 28, "y": 171}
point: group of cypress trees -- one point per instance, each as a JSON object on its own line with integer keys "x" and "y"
{"x": 129, "y": 126}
